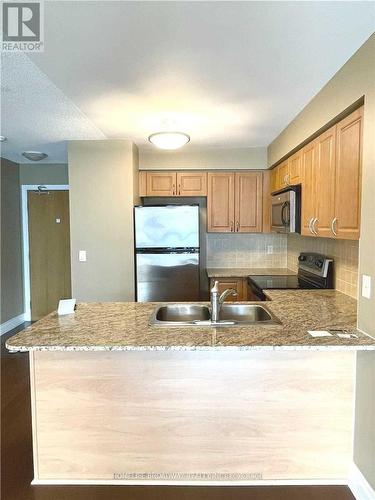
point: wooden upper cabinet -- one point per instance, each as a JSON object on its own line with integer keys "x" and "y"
{"x": 274, "y": 183}
{"x": 161, "y": 183}
{"x": 324, "y": 179}
{"x": 288, "y": 173}
{"x": 191, "y": 183}
{"x": 294, "y": 168}
{"x": 346, "y": 221}
{"x": 248, "y": 196}
{"x": 283, "y": 175}
{"x": 234, "y": 202}
{"x": 220, "y": 202}
{"x": 308, "y": 159}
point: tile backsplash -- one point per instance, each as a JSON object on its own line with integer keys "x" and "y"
{"x": 246, "y": 250}
{"x": 343, "y": 252}
{"x": 250, "y": 250}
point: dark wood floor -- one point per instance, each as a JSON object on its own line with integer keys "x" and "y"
{"x": 16, "y": 458}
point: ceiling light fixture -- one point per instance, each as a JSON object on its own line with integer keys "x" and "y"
{"x": 34, "y": 155}
{"x": 169, "y": 140}
{"x": 2, "y": 138}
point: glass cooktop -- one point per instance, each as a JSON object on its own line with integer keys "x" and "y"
{"x": 281, "y": 282}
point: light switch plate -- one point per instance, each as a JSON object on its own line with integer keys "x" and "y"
{"x": 366, "y": 286}
{"x": 82, "y": 256}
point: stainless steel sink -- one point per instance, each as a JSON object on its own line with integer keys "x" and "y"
{"x": 245, "y": 313}
{"x": 180, "y": 314}
{"x": 200, "y": 315}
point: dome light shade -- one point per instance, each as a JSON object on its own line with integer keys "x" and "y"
{"x": 169, "y": 140}
{"x": 34, "y": 155}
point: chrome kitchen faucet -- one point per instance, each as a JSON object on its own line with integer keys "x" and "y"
{"x": 217, "y": 300}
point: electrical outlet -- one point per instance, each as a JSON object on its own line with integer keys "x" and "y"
{"x": 366, "y": 286}
{"x": 269, "y": 249}
{"x": 82, "y": 256}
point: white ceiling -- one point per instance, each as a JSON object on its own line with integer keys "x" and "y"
{"x": 231, "y": 74}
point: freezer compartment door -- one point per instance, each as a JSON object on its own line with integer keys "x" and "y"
{"x": 170, "y": 226}
{"x": 167, "y": 277}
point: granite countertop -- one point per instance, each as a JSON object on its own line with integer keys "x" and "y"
{"x": 243, "y": 272}
{"x": 124, "y": 326}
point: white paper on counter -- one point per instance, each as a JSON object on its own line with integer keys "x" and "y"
{"x": 319, "y": 333}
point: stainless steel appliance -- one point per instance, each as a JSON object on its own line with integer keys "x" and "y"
{"x": 314, "y": 271}
{"x": 167, "y": 253}
{"x": 286, "y": 210}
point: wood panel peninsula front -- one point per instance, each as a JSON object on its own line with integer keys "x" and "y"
{"x": 116, "y": 401}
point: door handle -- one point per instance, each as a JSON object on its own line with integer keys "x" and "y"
{"x": 179, "y": 189}
{"x": 333, "y": 226}
{"x": 173, "y": 189}
{"x": 313, "y": 226}
{"x": 237, "y": 226}
{"x": 231, "y": 226}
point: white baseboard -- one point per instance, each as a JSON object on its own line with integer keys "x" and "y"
{"x": 161, "y": 482}
{"x": 12, "y": 323}
{"x": 359, "y": 485}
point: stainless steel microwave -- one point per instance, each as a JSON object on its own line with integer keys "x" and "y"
{"x": 286, "y": 210}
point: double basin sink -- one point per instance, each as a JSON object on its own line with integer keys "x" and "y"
{"x": 200, "y": 315}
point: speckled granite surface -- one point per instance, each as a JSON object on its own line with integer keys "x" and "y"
{"x": 243, "y": 272}
{"x": 124, "y": 326}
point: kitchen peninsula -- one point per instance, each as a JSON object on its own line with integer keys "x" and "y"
{"x": 115, "y": 400}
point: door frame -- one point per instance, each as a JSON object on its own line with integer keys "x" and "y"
{"x": 25, "y": 239}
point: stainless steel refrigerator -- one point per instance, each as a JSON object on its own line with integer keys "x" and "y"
{"x": 167, "y": 253}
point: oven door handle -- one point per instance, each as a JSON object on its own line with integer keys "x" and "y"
{"x": 285, "y": 207}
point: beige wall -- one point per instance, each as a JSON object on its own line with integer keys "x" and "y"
{"x": 102, "y": 193}
{"x": 11, "y": 243}
{"x": 51, "y": 173}
{"x": 343, "y": 252}
{"x": 203, "y": 158}
{"x": 364, "y": 442}
{"x": 354, "y": 80}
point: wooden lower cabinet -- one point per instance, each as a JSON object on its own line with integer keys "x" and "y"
{"x": 238, "y": 284}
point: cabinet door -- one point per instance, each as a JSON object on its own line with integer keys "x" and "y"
{"x": 274, "y": 179}
{"x": 308, "y": 160}
{"x": 220, "y": 202}
{"x": 248, "y": 198}
{"x": 348, "y": 176}
{"x": 236, "y": 283}
{"x": 324, "y": 180}
{"x": 161, "y": 183}
{"x": 294, "y": 167}
{"x": 191, "y": 183}
{"x": 142, "y": 183}
{"x": 283, "y": 178}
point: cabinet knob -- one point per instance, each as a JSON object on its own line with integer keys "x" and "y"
{"x": 179, "y": 189}
{"x": 231, "y": 226}
{"x": 173, "y": 189}
{"x": 237, "y": 226}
